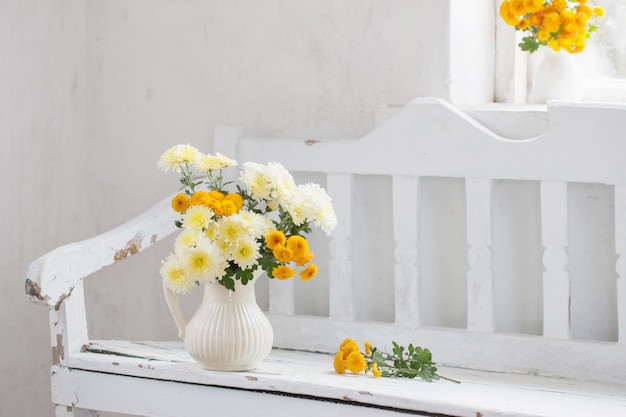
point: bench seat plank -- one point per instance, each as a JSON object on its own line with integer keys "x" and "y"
{"x": 310, "y": 375}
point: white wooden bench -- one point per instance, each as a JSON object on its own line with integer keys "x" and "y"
{"x": 503, "y": 257}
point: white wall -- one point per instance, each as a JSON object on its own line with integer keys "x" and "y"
{"x": 43, "y": 164}
{"x": 93, "y": 91}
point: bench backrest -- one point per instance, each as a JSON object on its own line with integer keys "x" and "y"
{"x": 498, "y": 254}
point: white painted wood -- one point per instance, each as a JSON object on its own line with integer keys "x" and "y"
{"x": 426, "y": 138}
{"x": 173, "y": 304}
{"x": 52, "y": 278}
{"x": 169, "y": 398}
{"x": 405, "y": 231}
{"x": 438, "y": 139}
{"x": 68, "y": 325}
{"x": 496, "y": 352}
{"x": 341, "y": 281}
{"x": 69, "y": 411}
{"x": 620, "y": 249}
{"x": 480, "y": 274}
{"x": 282, "y": 297}
{"x": 299, "y": 376}
{"x": 556, "y": 281}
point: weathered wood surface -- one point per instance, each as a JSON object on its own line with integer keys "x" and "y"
{"x": 301, "y": 375}
{"x": 51, "y": 278}
{"x": 427, "y": 138}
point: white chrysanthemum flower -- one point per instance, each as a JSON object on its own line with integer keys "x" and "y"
{"x": 326, "y": 218}
{"x": 231, "y": 229}
{"x": 267, "y": 182}
{"x": 176, "y": 156}
{"x": 186, "y": 239}
{"x": 204, "y": 262}
{"x": 208, "y": 163}
{"x": 310, "y": 202}
{"x": 256, "y": 225}
{"x": 197, "y": 218}
{"x": 210, "y": 232}
{"x": 175, "y": 275}
{"x": 246, "y": 253}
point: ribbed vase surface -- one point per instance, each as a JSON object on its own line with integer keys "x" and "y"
{"x": 229, "y": 332}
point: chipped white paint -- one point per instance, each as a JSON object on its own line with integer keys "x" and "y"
{"x": 294, "y": 374}
{"x": 51, "y": 278}
{"x": 426, "y": 138}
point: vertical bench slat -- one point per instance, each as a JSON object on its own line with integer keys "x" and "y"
{"x": 68, "y": 325}
{"x": 556, "y": 280}
{"x": 281, "y": 297}
{"x": 480, "y": 274}
{"x": 620, "y": 249}
{"x": 341, "y": 289}
{"x": 405, "y": 232}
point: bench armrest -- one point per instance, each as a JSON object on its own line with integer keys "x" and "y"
{"x": 51, "y": 278}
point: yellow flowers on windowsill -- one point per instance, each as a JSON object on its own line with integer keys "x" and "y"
{"x": 559, "y": 24}
{"x": 411, "y": 362}
{"x": 227, "y": 235}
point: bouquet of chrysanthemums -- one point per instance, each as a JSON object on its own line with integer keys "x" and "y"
{"x": 228, "y": 235}
{"x": 559, "y": 24}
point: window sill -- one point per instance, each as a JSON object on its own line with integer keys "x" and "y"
{"x": 603, "y": 89}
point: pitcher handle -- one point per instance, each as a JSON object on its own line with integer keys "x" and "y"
{"x": 172, "y": 303}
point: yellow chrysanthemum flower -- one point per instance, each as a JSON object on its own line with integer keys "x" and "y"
{"x": 355, "y": 362}
{"x": 228, "y": 208}
{"x": 199, "y": 198}
{"x": 523, "y": 24}
{"x": 180, "y": 203}
{"x": 339, "y": 364}
{"x": 368, "y": 348}
{"x": 283, "y": 272}
{"x": 348, "y": 346}
{"x": 298, "y": 246}
{"x": 216, "y": 195}
{"x": 598, "y": 11}
{"x": 554, "y": 45}
{"x": 236, "y": 199}
{"x": 275, "y": 238}
{"x": 375, "y": 371}
{"x": 282, "y": 254}
{"x": 308, "y": 273}
{"x": 304, "y": 259}
{"x": 560, "y": 5}
{"x": 555, "y": 23}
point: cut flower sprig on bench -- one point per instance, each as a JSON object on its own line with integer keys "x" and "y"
{"x": 228, "y": 235}
{"x": 410, "y": 362}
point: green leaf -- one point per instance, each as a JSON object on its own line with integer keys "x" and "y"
{"x": 228, "y": 282}
{"x": 245, "y": 276}
{"x": 529, "y": 44}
